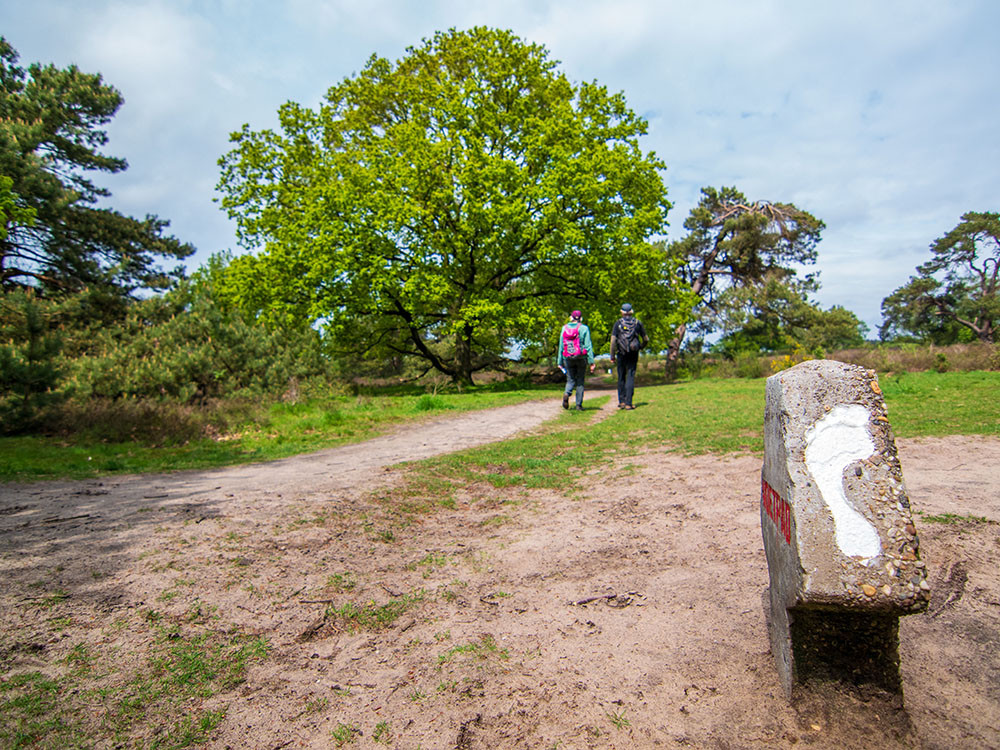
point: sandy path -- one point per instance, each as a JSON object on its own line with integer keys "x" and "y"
{"x": 491, "y": 654}
{"x": 328, "y": 470}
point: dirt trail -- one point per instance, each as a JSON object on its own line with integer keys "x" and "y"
{"x": 627, "y": 614}
{"x": 345, "y": 467}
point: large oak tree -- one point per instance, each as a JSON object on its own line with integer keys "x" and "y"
{"x": 452, "y": 206}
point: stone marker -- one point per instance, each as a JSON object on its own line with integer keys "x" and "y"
{"x": 842, "y": 550}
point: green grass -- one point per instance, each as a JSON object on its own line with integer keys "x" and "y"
{"x": 926, "y": 404}
{"x": 618, "y": 719}
{"x": 701, "y": 416}
{"x": 341, "y": 582}
{"x": 344, "y": 734}
{"x": 33, "y": 713}
{"x": 953, "y": 518}
{"x": 161, "y": 698}
{"x": 481, "y": 649}
{"x": 698, "y": 416}
{"x": 280, "y": 431}
{"x": 372, "y": 616}
{"x": 382, "y": 732}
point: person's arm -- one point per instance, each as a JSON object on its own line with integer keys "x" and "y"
{"x": 614, "y": 341}
{"x": 643, "y": 338}
{"x": 588, "y": 344}
{"x": 559, "y": 359}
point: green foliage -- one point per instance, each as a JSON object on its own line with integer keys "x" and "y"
{"x": 184, "y": 346}
{"x": 133, "y": 436}
{"x": 54, "y": 237}
{"x": 836, "y": 328}
{"x": 451, "y": 207}
{"x": 29, "y": 372}
{"x": 954, "y": 296}
{"x": 776, "y": 321}
{"x": 11, "y": 212}
{"x": 736, "y": 259}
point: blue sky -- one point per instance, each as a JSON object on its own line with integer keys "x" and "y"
{"x": 880, "y": 118}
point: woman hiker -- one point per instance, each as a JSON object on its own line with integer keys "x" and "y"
{"x": 575, "y": 352}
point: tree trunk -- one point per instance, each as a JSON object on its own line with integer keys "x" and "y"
{"x": 674, "y": 347}
{"x": 463, "y": 356}
{"x": 673, "y": 352}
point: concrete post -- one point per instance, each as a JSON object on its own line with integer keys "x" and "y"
{"x": 842, "y": 550}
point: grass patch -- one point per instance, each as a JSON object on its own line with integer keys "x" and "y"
{"x": 700, "y": 416}
{"x": 382, "y": 732}
{"x": 697, "y": 416}
{"x": 34, "y": 713}
{"x": 952, "y": 518}
{"x": 935, "y": 404}
{"x": 344, "y": 734}
{"x": 485, "y": 647}
{"x": 157, "y": 705}
{"x": 271, "y": 431}
{"x": 51, "y": 600}
{"x": 341, "y": 582}
{"x": 430, "y": 563}
{"x": 372, "y": 616}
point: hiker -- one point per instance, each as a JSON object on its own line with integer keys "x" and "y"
{"x": 575, "y": 353}
{"x": 628, "y": 336}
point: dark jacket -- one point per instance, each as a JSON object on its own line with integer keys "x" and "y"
{"x": 616, "y": 332}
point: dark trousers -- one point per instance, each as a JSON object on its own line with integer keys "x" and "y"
{"x": 626, "y": 376}
{"x": 576, "y": 372}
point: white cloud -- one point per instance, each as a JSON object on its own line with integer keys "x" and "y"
{"x": 879, "y": 118}
{"x": 153, "y": 52}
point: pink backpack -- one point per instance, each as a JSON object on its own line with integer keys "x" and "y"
{"x": 571, "y": 343}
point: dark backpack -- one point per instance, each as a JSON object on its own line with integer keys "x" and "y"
{"x": 571, "y": 347}
{"x": 628, "y": 335}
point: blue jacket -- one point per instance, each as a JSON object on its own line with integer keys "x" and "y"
{"x": 584, "y": 342}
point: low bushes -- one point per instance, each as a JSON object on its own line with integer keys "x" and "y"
{"x": 883, "y": 358}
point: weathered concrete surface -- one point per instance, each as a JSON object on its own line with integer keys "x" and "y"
{"x": 842, "y": 550}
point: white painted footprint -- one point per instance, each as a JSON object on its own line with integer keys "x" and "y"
{"x": 832, "y": 443}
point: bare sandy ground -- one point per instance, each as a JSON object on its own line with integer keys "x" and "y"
{"x": 627, "y": 614}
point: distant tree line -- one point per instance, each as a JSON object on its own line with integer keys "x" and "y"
{"x": 441, "y": 213}
{"x": 953, "y": 297}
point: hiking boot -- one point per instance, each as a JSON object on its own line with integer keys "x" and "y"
{"x": 579, "y": 408}
{"x": 565, "y": 401}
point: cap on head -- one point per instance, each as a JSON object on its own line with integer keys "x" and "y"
{"x": 626, "y": 307}
{"x": 576, "y": 315}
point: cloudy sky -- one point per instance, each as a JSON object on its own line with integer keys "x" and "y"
{"x": 880, "y": 118}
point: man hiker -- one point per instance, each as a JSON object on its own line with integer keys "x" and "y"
{"x": 628, "y": 336}
{"x": 575, "y": 353}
